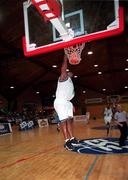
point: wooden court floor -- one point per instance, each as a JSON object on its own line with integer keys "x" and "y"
{"x": 38, "y": 154}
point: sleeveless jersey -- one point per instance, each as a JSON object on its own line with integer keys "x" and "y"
{"x": 65, "y": 90}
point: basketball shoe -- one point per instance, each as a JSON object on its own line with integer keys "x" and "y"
{"x": 68, "y": 145}
{"x": 74, "y": 141}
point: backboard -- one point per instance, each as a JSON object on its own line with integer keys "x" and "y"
{"x": 85, "y": 20}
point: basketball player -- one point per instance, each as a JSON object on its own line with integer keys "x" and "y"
{"x": 121, "y": 120}
{"x": 63, "y": 106}
{"x": 108, "y": 117}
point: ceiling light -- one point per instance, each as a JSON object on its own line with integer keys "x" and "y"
{"x": 104, "y": 89}
{"x": 99, "y": 72}
{"x": 84, "y": 92}
{"x": 125, "y": 87}
{"x": 75, "y": 76}
{"x": 54, "y": 66}
{"x": 11, "y": 87}
{"x": 95, "y": 65}
{"x": 126, "y": 69}
{"x": 90, "y": 52}
{"x": 126, "y": 59}
{"x": 67, "y": 70}
{"x": 37, "y": 92}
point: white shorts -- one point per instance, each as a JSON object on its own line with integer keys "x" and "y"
{"x": 107, "y": 119}
{"x": 63, "y": 108}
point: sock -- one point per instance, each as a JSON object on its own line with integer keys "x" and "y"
{"x": 66, "y": 140}
{"x": 72, "y": 138}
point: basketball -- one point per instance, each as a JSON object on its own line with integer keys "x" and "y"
{"x": 74, "y": 53}
{"x": 74, "y": 61}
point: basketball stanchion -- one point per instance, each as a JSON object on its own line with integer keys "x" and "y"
{"x": 74, "y": 53}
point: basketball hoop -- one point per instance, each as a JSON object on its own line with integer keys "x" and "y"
{"x": 114, "y": 99}
{"x": 74, "y": 53}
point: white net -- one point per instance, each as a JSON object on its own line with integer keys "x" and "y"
{"x": 114, "y": 99}
{"x": 74, "y": 53}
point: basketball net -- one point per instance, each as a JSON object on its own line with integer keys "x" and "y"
{"x": 114, "y": 100}
{"x": 74, "y": 53}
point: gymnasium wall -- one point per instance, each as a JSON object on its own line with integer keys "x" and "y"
{"x": 97, "y": 110}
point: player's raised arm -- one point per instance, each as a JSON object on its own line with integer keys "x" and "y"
{"x": 64, "y": 74}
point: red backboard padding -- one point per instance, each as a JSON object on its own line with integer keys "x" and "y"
{"x": 54, "y": 6}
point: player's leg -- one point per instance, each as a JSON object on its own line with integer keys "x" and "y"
{"x": 108, "y": 128}
{"x": 73, "y": 140}
{"x": 70, "y": 124}
{"x": 63, "y": 126}
{"x": 61, "y": 109}
{"x": 70, "y": 127}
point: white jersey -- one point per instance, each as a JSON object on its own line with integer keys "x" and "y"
{"x": 108, "y": 112}
{"x": 107, "y": 115}
{"x": 65, "y": 90}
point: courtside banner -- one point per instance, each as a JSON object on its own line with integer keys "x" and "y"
{"x": 5, "y": 128}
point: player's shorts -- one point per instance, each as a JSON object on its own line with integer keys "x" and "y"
{"x": 107, "y": 119}
{"x": 64, "y": 109}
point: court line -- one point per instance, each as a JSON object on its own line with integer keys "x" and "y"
{"x": 91, "y": 167}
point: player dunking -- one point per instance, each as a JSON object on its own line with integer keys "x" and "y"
{"x": 63, "y": 106}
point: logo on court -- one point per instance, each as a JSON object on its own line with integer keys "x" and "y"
{"x": 101, "y": 146}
